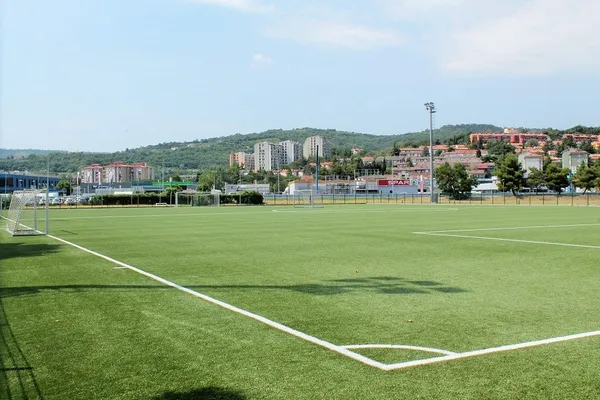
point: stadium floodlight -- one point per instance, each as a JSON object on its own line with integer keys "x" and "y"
{"x": 430, "y": 107}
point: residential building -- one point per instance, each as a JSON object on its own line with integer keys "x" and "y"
{"x": 290, "y": 151}
{"x": 522, "y": 138}
{"x": 116, "y": 172}
{"x": 531, "y": 160}
{"x": 573, "y": 158}
{"x": 580, "y": 138}
{"x": 312, "y": 143}
{"x": 486, "y": 137}
{"x": 238, "y": 158}
{"x": 267, "y": 156}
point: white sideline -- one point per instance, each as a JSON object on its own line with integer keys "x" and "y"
{"x": 506, "y": 228}
{"x": 456, "y": 356}
{"x": 266, "y": 321}
{"x": 585, "y": 246}
{"x": 398, "y": 346}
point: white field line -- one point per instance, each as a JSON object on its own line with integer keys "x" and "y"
{"x": 397, "y": 346}
{"x": 506, "y": 228}
{"x": 456, "y": 356}
{"x": 585, "y": 246}
{"x": 273, "y": 324}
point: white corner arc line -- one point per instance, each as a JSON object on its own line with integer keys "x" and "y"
{"x": 266, "y": 321}
{"x": 398, "y": 346}
{"x": 585, "y": 246}
{"x": 506, "y": 228}
{"x": 407, "y": 364}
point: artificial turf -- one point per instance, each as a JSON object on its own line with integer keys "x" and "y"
{"x": 75, "y": 327}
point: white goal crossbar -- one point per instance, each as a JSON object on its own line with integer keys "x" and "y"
{"x": 24, "y": 213}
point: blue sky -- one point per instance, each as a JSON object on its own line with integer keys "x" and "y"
{"x": 105, "y": 75}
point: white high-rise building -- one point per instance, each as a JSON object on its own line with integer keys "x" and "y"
{"x": 290, "y": 151}
{"x": 267, "y": 156}
{"x": 310, "y": 147}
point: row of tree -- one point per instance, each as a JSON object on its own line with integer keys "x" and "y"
{"x": 456, "y": 182}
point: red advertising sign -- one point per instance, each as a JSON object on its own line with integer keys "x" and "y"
{"x": 393, "y": 182}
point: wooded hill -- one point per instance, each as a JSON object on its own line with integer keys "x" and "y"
{"x": 214, "y": 152}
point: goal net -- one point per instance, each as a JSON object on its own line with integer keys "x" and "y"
{"x": 27, "y": 213}
{"x": 307, "y": 198}
{"x": 197, "y": 199}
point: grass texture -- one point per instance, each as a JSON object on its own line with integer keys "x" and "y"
{"x": 76, "y": 326}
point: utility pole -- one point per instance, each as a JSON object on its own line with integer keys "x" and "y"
{"x": 430, "y": 107}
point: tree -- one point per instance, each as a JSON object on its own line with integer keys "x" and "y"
{"x": 499, "y": 149}
{"x": 532, "y": 143}
{"x": 510, "y": 174}
{"x": 536, "y": 178}
{"x": 409, "y": 162}
{"x": 455, "y": 180}
{"x": 586, "y": 178}
{"x": 587, "y": 146}
{"x": 65, "y": 185}
{"x": 556, "y": 178}
{"x": 425, "y": 152}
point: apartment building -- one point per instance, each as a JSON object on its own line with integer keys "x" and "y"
{"x": 116, "y": 172}
{"x": 312, "y": 143}
{"x": 531, "y": 160}
{"x": 243, "y": 159}
{"x": 573, "y": 158}
{"x": 267, "y": 156}
{"x": 290, "y": 151}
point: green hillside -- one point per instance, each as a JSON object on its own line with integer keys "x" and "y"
{"x": 212, "y": 152}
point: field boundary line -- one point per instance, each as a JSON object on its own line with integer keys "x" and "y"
{"x": 266, "y": 321}
{"x": 398, "y": 346}
{"x": 506, "y": 228}
{"x": 585, "y": 246}
{"x": 491, "y": 350}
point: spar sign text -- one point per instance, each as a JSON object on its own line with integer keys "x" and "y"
{"x": 393, "y": 182}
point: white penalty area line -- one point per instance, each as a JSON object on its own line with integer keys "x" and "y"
{"x": 506, "y": 228}
{"x": 398, "y": 347}
{"x": 343, "y": 350}
{"x": 330, "y": 346}
{"x": 456, "y": 356}
{"x": 585, "y": 246}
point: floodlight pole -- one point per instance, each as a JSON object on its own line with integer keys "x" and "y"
{"x": 317, "y": 168}
{"x": 47, "y": 205}
{"x": 430, "y": 107}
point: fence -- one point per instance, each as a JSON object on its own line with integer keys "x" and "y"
{"x": 567, "y": 199}
{"x": 525, "y": 199}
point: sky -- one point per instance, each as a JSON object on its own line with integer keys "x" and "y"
{"x": 106, "y": 75}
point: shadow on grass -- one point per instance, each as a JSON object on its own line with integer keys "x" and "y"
{"x": 19, "y": 249}
{"x": 383, "y": 285}
{"x": 207, "y": 393}
{"x": 18, "y": 377}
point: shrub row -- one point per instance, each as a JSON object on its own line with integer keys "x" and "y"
{"x": 248, "y": 197}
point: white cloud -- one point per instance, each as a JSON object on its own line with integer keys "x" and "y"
{"x": 414, "y": 8}
{"x": 249, "y": 6}
{"x": 335, "y": 34}
{"x": 260, "y": 61}
{"x": 540, "y": 37}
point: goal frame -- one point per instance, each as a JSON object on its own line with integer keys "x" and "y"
{"x": 193, "y": 199}
{"x": 308, "y": 199}
{"x": 25, "y": 214}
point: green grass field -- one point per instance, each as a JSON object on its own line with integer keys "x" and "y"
{"x": 78, "y": 326}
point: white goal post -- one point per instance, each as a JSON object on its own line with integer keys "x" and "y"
{"x": 307, "y": 198}
{"x": 28, "y": 213}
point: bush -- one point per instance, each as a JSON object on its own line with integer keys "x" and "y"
{"x": 247, "y": 197}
